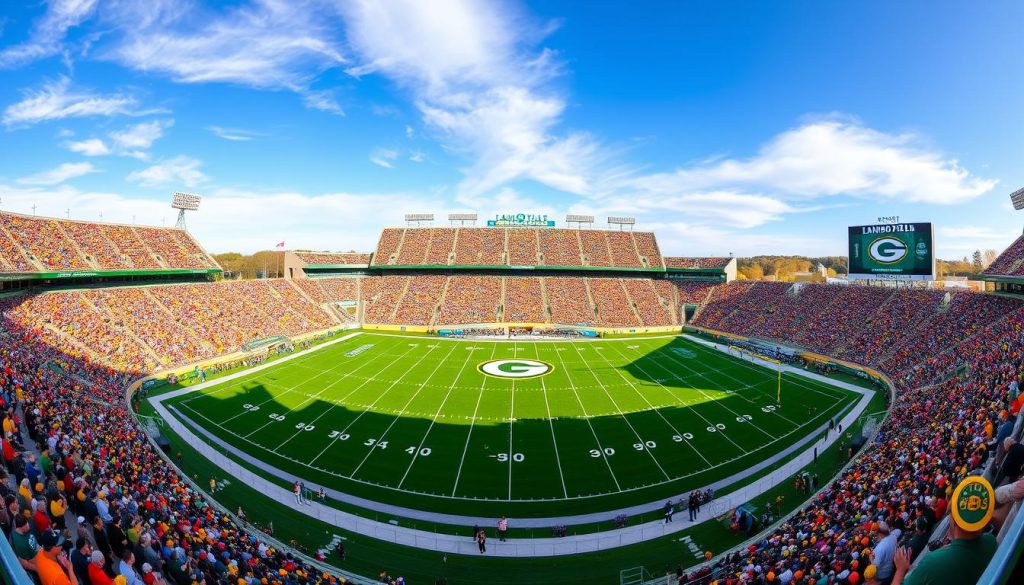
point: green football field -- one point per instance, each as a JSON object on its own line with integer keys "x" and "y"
{"x": 522, "y": 428}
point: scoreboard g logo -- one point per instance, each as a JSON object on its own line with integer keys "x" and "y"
{"x": 515, "y": 368}
{"x": 887, "y": 250}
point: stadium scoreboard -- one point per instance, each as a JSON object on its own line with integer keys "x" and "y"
{"x": 898, "y": 251}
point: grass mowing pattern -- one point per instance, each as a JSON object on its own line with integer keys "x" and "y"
{"x": 411, "y": 421}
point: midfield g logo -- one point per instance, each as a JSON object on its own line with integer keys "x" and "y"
{"x": 516, "y": 369}
{"x": 887, "y": 250}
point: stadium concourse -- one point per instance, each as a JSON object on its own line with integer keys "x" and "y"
{"x": 66, "y": 357}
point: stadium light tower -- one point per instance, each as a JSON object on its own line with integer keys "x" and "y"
{"x": 1017, "y": 198}
{"x": 184, "y": 202}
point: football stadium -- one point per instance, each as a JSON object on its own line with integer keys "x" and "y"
{"x": 503, "y": 292}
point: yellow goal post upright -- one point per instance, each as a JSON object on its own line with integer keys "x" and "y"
{"x": 778, "y": 368}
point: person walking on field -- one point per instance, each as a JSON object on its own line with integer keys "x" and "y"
{"x": 481, "y": 540}
{"x": 297, "y": 490}
{"x": 502, "y": 527}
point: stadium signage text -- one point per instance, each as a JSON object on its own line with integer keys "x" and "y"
{"x": 887, "y": 229}
{"x": 521, "y": 220}
{"x": 516, "y": 369}
{"x": 895, "y": 251}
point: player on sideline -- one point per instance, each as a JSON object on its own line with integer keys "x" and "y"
{"x": 502, "y": 527}
{"x": 297, "y": 490}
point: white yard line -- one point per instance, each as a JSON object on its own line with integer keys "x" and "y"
{"x": 702, "y": 347}
{"x": 676, "y": 432}
{"x": 437, "y": 414}
{"x": 307, "y": 396}
{"x": 624, "y": 418}
{"x": 419, "y": 389}
{"x": 551, "y": 424}
{"x": 511, "y": 422}
{"x": 374, "y": 403}
{"x": 680, "y": 400}
{"x": 586, "y": 417}
{"x": 335, "y": 403}
{"x": 291, "y": 389}
{"x": 738, "y": 393}
{"x": 472, "y": 423}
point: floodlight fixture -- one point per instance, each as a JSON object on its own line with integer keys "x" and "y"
{"x": 184, "y": 202}
{"x": 1017, "y": 198}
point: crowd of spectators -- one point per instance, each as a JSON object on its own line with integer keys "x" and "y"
{"x": 468, "y": 246}
{"x": 560, "y": 247}
{"x": 136, "y": 510}
{"x": 1010, "y": 262}
{"x": 696, "y": 262}
{"x": 317, "y": 258}
{"x": 441, "y": 244}
{"x": 596, "y": 248}
{"x": 98, "y": 505}
{"x": 65, "y": 245}
{"x": 900, "y": 487}
{"x": 415, "y": 245}
{"x": 45, "y": 241}
{"x": 647, "y": 246}
{"x": 689, "y": 292}
{"x": 419, "y": 303}
{"x": 653, "y": 310}
{"x": 524, "y": 300}
{"x": 523, "y": 247}
{"x": 567, "y": 297}
{"x": 471, "y": 299}
{"x": 624, "y": 250}
{"x": 480, "y": 246}
{"x": 614, "y": 308}
{"x": 388, "y": 244}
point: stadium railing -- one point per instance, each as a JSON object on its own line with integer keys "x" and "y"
{"x": 11, "y": 571}
{"x": 223, "y": 511}
{"x": 1002, "y": 566}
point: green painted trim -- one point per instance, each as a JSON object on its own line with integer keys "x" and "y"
{"x": 715, "y": 270}
{"x": 99, "y": 273}
{"x": 997, "y": 278}
{"x": 513, "y": 267}
{"x": 367, "y": 265}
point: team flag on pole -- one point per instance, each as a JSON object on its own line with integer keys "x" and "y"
{"x": 280, "y": 245}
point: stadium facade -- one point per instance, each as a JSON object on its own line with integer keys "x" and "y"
{"x": 73, "y": 308}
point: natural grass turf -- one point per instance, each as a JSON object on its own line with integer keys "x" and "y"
{"x": 537, "y": 447}
{"x": 367, "y": 556}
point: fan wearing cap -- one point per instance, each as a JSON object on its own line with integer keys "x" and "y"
{"x": 52, "y": 565}
{"x": 964, "y": 559}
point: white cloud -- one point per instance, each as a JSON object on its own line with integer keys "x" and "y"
{"x": 132, "y": 141}
{"x": 417, "y": 156}
{"x": 322, "y": 100}
{"x": 47, "y": 33}
{"x": 408, "y": 131}
{"x": 89, "y": 147}
{"x": 62, "y": 173}
{"x": 140, "y": 136}
{"x": 830, "y": 158}
{"x": 384, "y": 157}
{"x": 233, "y": 134}
{"x": 265, "y": 44}
{"x": 55, "y": 101}
{"x": 478, "y": 85}
{"x": 180, "y": 170}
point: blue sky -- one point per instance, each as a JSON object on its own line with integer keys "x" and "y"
{"x": 723, "y": 126}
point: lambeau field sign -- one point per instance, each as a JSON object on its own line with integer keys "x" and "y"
{"x": 899, "y": 251}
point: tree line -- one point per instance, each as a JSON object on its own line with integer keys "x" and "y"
{"x": 785, "y": 267}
